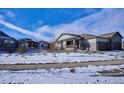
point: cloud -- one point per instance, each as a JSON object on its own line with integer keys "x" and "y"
{"x": 24, "y": 31}
{"x": 104, "y": 21}
{"x": 8, "y": 13}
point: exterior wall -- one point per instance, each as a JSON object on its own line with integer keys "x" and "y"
{"x": 7, "y": 44}
{"x": 92, "y": 44}
{"x": 96, "y": 44}
{"x": 116, "y": 43}
{"x": 62, "y": 45}
{"x": 103, "y": 44}
{"x": 122, "y": 45}
{"x": 57, "y": 46}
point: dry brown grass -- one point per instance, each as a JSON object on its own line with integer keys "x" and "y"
{"x": 58, "y": 65}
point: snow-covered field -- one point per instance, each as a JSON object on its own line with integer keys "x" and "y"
{"x": 58, "y": 57}
{"x": 64, "y": 76}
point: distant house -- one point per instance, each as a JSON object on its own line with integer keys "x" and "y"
{"x": 7, "y": 43}
{"x": 104, "y": 42}
{"x": 28, "y": 43}
{"x": 43, "y": 45}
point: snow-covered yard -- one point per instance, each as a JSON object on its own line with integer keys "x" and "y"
{"x": 58, "y": 57}
{"x": 89, "y": 74}
{"x": 66, "y": 75}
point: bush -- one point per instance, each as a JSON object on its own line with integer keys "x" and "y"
{"x": 21, "y": 49}
{"x": 72, "y": 70}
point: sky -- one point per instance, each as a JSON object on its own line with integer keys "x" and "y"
{"x": 48, "y": 23}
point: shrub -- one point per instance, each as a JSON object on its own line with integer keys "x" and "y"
{"x": 72, "y": 70}
{"x": 21, "y": 49}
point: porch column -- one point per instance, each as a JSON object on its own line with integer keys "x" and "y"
{"x": 32, "y": 45}
{"x": 80, "y": 44}
{"x": 74, "y": 45}
{"x": 61, "y": 43}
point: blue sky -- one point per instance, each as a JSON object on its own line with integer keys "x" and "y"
{"x": 48, "y": 23}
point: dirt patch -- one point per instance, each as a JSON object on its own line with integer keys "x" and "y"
{"x": 111, "y": 73}
{"x": 57, "y": 65}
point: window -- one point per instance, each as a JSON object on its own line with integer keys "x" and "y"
{"x": 69, "y": 42}
{"x": 8, "y": 41}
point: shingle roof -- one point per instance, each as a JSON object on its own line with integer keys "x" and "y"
{"x": 109, "y": 35}
{"x": 68, "y": 34}
{"x": 88, "y": 36}
{"x": 3, "y": 34}
{"x": 26, "y": 40}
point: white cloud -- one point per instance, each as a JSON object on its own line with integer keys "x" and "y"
{"x": 26, "y": 32}
{"x": 107, "y": 20}
{"x": 1, "y": 17}
{"x": 8, "y": 13}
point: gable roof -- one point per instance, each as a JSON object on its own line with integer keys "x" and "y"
{"x": 26, "y": 40}
{"x": 68, "y": 34}
{"x": 3, "y": 34}
{"x": 88, "y": 36}
{"x": 109, "y": 35}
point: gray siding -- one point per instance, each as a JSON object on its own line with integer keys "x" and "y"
{"x": 116, "y": 42}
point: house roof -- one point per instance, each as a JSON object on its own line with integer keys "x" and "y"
{"x": 68, "y": 34}
{"x": 88, "y": 36}
{"x": 109, "y": 35}
{"x": 4, "y": 35}
{"x": 26, "y": 40}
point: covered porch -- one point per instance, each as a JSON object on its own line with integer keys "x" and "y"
{"x": 71, "y": 44}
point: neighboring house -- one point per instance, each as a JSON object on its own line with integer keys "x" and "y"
{"x": 28, "y": 43}
{"x": 7, "y": 43}
{"x": 104, "y": 42}
{"x": 43, "y": 45}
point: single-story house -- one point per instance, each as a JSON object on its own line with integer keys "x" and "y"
{"x": 7, "y": 43}
{"x": 30, "y": 44}
{"x": 104, "y": 42}
{"x": 68, "y": 41}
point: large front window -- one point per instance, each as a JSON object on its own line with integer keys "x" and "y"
{"x": 69, "y": 43}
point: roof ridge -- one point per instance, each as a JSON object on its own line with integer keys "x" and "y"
{"x": 110, "y": 33}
